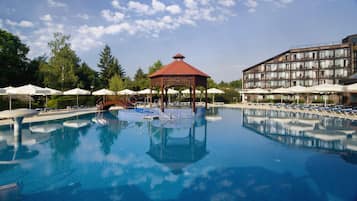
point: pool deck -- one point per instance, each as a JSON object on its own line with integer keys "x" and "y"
{"x": 269, "y": 107}
{"x": 53, "y": 115}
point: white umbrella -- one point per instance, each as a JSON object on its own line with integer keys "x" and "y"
{"x": 172, "y": 91}
{"x": 103, "y": 92}
{"x": 281, "y": 91}
{"x": 76, "y": 92}
{"x": 351, "y": 88}
{"x": 126, "y": 92}
{"x": 187, "y": 91}
{"x": 327, "y": 88}
{"x": 298, "y": 90}
{"x": 2, "y": 91}
{"x": 147, "y": 91}
{"x": 214, "y": 91}
{"x": 257, "y": 91}
{"x": 51, "y": 92}
{"x": 29, "y": 90}
{"x": 10, "y": 101}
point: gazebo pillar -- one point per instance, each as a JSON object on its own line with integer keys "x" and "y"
{"x": 162, "y": 98}
{"x": 150, "y": 97}
{"x": 166, "y": 97}
{"x": 206, "y": 97}
{"x": 190, "y": 96}
{"x": 194, "y": 99}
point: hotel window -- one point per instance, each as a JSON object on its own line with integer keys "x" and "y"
{"x": 299, "y": 56}
{"x": 341, "y": 52}
{"x": 341, "y": 62}
{"x": 273, "y": 67}
{"x": 261, "y": 68}
{"x": 308, "y": 83}
{"x": 326, "y": 64}
{"x": 326, "y": 54}
{"x": 311, "y": 64}
{"x": 294, "y": 65}
{"x": 281, "y": 66}
{"x": 267, "y": 67}
{"x": 311, "y": 55}
{"x": 340, "y": 73}
{"x": 310, "y": 74}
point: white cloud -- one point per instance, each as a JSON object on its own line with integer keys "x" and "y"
{"x": 46, "y": 18}
{"x": 112, "y": 16}
{"x": 56, "y": 4}
{"x": 190, "y": 3}
{"x": 158, "y": 6}
{"x": 1, "y": 26}
{"x": 138, "y": 7}
{"x": 173, "y": 9}
{"x": 252, "y": 5}
{"x": 116, "y": 4}
{"x": 147, "y": 19}
{"x": 227, "y": 3}
{"x": 83, "y": 16}
{"x": 22, "y": 23}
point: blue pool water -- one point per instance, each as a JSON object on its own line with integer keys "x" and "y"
{"x": 234, "y": 155}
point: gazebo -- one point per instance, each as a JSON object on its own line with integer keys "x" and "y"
{"x": 179, "y": 73}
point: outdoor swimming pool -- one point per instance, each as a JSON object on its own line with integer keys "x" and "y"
{"x": 235, "y": 155}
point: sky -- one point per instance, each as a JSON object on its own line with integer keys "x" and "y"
{"x": 220, "y": 37}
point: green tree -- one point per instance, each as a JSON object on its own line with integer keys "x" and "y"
{"x": 87, "y": 76}
{"x": 13, "y": 60}
{"x": 211, "y": 83}
{"x": 156, "y": 66}
{"x": 236, "y": 84}
{"x": 60, "y": 72}
{"x": 141, "y": 81}
{"x": 116, "y": 83}
{"x": 109, "y": 66}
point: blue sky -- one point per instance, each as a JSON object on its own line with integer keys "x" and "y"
{"x": 221, "y": 37}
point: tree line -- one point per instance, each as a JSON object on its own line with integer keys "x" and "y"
{"x": 63, "y": 69}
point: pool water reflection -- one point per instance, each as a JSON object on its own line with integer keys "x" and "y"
{"x": 233, "y": 155}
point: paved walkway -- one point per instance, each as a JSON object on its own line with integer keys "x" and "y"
{"x": 270, "y": 107}
{"x": 53, "y": 115}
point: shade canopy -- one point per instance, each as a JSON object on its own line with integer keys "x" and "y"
{"x": 187, "y": 91}
{"x": 351, "y": 88}
{"x": 214, "y": 91}
{"x": 298, "y": 90}
{"x": 281, "y": 91}
{"x": 126, "y": 92}
{"x": 53, "y": 91}
{"x": 257, "y": 91}
{"x": 27, "y": 90}
{"x": 172, "y": 91}
{"x": 2, "y": 91}
{"x": 146, "y": 91}
{"x": 103, "y": 92}
{"x": 328, "y": 88}
{"x": 76, "y": 91}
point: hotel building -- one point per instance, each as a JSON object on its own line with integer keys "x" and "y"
{"x": 308, "y": 66}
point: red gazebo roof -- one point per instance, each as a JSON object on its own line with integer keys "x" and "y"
{"x": 178, "y": 67}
